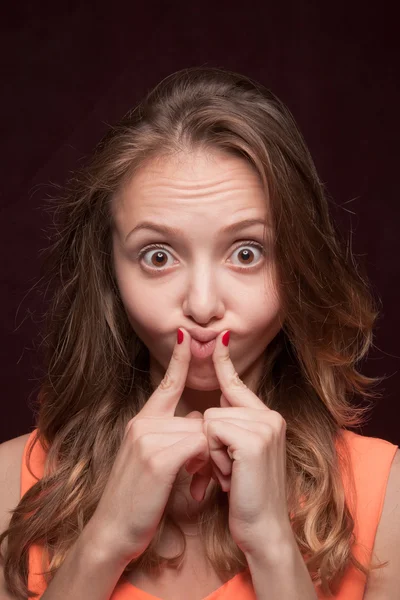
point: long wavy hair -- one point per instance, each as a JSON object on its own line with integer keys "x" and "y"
{"x": 96, "y": 369}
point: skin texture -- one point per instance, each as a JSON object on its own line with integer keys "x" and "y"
{"x": 198, "y": 282}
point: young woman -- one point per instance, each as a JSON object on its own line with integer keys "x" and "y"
{"x": 202, "y": 344}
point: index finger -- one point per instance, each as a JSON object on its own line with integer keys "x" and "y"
{"x": 233, "y": 389}
{"x": 165, "y": 398}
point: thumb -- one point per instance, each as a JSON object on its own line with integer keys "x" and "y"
{"x": 195, "y": 414}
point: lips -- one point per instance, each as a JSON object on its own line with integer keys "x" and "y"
{"x": 202, "y": 349}
{"x": 202, "y": 335}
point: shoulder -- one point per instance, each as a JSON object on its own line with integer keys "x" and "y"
{"x": 12, "y": 450}
{"x": 385, "y": 582}
{"x": 11, "y": 453}
{"x": 14, "y": 443}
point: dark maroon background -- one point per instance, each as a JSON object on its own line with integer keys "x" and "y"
{"x": 70, "y": 70}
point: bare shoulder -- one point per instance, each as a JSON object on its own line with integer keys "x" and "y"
{"x": 11, "y": 453}
{"x": 10, "y": 473}
{"x": 10, "y": 476}
{"x": 385, "y": 583}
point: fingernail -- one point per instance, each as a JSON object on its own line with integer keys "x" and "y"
{"x": 179, "y": 335}
{"x": 225, "y": 338}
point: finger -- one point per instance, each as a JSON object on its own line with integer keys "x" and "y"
{"x": 199, "y": 485}
{"x": 200, "y": 482}
{"x": 224, "y": 480}
{"x": 238, "y": 412}
{"x": 197, "y": 466}
{"x": 237, "y": 440}
{"x": 233, "y": 388}
{"x": 221, "y": 459}
{"x": 191, "y": 466}
{"x": 158, "y": 425}
{"x": 256, "y": 427}
{"x": 165, "y": 398}
{"x": 171, "y": 458}
{"x": 223, "y": 435}
{"x": 223, "y": 401}
{"x": 195, "y": 414}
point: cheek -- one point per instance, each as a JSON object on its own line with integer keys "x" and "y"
{"x": 260, "y": 312}
{"x": 145, "y": 314}
{"x": 144, "y": 310}
{"x": 263, "y": 321}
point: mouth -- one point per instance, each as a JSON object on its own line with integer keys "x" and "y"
{"x": 202, "y": 349}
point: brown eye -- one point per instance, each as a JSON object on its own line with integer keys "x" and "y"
{"x": 246, "y": 254}
{"x": 157, "y": 259}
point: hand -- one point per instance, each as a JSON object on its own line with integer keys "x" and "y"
{"x": 203, "y": 470}
{"x": 155, "y": 446}
{"x": 255, "y": 438}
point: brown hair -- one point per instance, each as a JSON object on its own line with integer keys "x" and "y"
{"x": 97, "y": 369}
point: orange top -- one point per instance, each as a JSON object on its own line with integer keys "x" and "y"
{"x": 371, "y": 460}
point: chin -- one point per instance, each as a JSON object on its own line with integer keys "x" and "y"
{"x": 207, "y": 382}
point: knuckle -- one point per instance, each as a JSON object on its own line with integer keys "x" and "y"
{"x": 151, "y": 459}
{"x": 256, "y": 449}
{"x": 154, "y": 464}
{"x": 237, "y": 382}
{"x": 167, "y": 382}
{"x": 224, "y": 358}
{"x": 268, "y": 431}
{"x": 177, "y": 357}
{"x": 170, "y": 379}
{"x": 143, "y": 447}
{"x": 278, "y": 420}
{"x": 130, "y": 429}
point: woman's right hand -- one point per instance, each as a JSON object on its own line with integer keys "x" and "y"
{"x": 155, "y": 446}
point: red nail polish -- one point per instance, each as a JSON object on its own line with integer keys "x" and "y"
{"x": 179, "y": 335}
{"x": 225, "y": 338}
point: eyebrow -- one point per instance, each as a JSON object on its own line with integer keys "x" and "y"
{"x": 167, "y": 229}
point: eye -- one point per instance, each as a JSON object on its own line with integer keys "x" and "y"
{"x": 246, "y": 255}
{"x": 157, "y": 259}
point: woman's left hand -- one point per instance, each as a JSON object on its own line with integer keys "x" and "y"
{"x": 254, "y": 436}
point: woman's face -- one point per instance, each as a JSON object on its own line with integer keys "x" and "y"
{"x": 205, "y": 275}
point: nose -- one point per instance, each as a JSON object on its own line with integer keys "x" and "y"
{"x": 203, "y": 299}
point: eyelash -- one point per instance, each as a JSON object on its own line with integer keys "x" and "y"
{"x": 162, "y": 247}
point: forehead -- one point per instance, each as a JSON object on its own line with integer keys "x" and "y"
{"x": 193, "y": 169}
{"x": 204, "y": 183}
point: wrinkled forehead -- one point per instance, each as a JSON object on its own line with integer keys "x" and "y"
{"x": 201, "y": 184}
